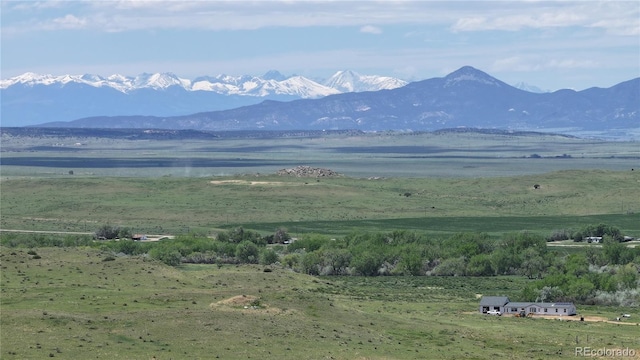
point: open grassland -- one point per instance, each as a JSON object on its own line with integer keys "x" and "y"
{"x": 395, "y": 155}
{"x": 564, "y": 199}
{"x": 71, "y": 303}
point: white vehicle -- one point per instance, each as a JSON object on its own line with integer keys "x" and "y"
{"x": 494, "y": 312}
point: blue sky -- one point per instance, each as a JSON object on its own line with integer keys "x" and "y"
{"x": 550, "y": 44}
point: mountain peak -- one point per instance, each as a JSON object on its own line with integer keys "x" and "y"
{"x": 469, "y": 73}
{"x": 274, "y": 75}
{"x": 351, "y": 81}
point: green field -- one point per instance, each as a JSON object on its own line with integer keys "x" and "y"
{"x": 70, "y": 303}
{"x": 78, "y": 303}
{"x": 566, "y": 199}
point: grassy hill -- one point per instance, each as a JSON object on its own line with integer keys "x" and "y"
{"x": 74, "y": 303}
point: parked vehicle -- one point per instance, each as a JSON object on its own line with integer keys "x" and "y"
{"x": 494, "y": 312}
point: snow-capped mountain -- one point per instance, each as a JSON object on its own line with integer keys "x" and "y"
{"x": 33, "y": 98}
{"x": 465, "y": 98}
{"x": 350, "y": 81}
{"x": 269, "y": 84}
{"x": 530, "y": 88}
{"x": 272, "y": 83}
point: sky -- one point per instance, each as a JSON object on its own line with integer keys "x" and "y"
{"x": 549, "y": 44}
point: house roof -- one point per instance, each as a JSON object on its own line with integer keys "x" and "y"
{"x": 519, "y": 304}
{"x": 542, "y": 305}
{"x": 552, "y": 305}
{"x": 493, "y": 300}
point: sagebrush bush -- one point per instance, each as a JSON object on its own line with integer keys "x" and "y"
{"x": 627, "y": 297}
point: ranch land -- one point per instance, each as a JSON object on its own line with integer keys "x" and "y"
{"x": 65, "y": 295}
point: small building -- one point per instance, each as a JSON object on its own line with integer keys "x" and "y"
{"x": 502, "y": 304}
{"x": 489, "y": 303}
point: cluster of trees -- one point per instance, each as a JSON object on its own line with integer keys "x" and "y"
{"x": 408, "y": 253}
{"x": 607, "y": 276}
{"x": 607, "y": 232}
{"x": 232, "y": 247}
{"x": 110, "y": 232}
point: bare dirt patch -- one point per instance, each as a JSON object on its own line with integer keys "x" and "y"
{"x": 590, "y": 318}
{"x": 247, "y": 304}
{"x": 246, "y": 182}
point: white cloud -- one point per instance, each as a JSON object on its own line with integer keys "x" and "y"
{"x": 369, "y": 29}
{"x": 537, "y": 63}
{"x": 617, "y": 17}
{"x": 67, "y": 22}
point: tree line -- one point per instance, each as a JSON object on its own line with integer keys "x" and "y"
{"x": 603, "y": 275}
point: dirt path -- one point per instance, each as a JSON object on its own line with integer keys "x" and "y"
{"x": 46, "y": 232}
{"x": 149, "y": 237}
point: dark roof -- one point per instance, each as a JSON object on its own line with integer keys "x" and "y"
{"x": 493, "y": 300}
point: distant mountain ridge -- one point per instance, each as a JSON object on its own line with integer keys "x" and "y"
{"x": 465, "y": 98}
{"x": 33, "y": 98}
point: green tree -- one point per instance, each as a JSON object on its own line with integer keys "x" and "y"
{"x": 337, "y": 260}
{"x": 247, "y": 252}
{"x": 580, "y": 289}
{"x": 533, "y": 265}
{"x": 613, "y": 252}
{"x": 312, "y": 263}
{"x": 107, "y": 231}
{"x": 549, "y": 294}
{"x": 451, "y": 267}
{"x": 367, "y": 263}
{"x": 627, "y": 277}
{"x": 480, "y": 265}
{"x": 281, "y": 236}
{"x": 504, "y": 262}
{"x": 576, "y": 265}
{"x": 291, "y": 260}
{"x": 166, "y": 254}
{"x": 411, "y": 263}
{"x": 268, "y": 257}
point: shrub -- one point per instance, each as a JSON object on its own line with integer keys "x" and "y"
{"x": 291, "y": 260}
{"x": 559, "y": 235}
{"x": 281, "y": 236}
{"x": 410, "y": 264}
{"x": 308, "y": 243}
{"x": 480, "y": 265}
{"x": 628, "y": 297}
{"x": 367, "y": 263}
{"x": 451, "y": 267}
{"x": 247, "y": 252}
{"x": 268, "y": 257}
{"x": 166, "y": 255}
{"x": 312, "y": 263}
{"x": 107, "y": 232}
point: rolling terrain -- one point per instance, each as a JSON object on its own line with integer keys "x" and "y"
{"x": 70, "y": 300}
{"x": 82, "y": 302}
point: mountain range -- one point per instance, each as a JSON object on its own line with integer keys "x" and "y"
{"x": 467, "y": 97}
{"x": 32, "y": 98}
